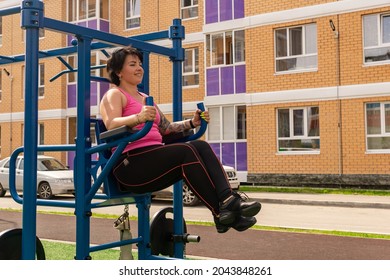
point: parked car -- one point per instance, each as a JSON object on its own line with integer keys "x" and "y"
{"x": 52, "y": 177}
{"x": 189, "y": 198}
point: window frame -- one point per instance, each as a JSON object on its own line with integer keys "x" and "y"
{"x": 1, "y": 30}
{"x": 75, "y": 6}
{"x": 194, "y": 66}
{"x": 232, "y": 45}
{"x": 379, "y": 38}
{"x": 383, "y": 133}
{"x": 190, "y": 8}
{"x": 223, "y": 120}
{"x": 131, "y": 12}
{"x": 41, "y": 80}
{"x": 304, "y": 52}
{"x": 303, "y": 137}
{"x": 1, "y": 86}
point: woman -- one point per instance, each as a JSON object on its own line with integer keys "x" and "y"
{"x": 147, "y": 165}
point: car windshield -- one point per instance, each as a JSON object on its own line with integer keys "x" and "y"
{"x": 50, "y": 165}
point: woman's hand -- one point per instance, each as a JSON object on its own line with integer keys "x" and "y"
{"x": 148, "y": 113}
{"x": 199, "y": 114}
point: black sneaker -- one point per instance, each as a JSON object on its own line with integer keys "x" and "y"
{"x": 220, "y": 227}
{"x": 240, "y": 224}
{"x": 243, "y": 223}
{"x": 251, "y": 208}
{"x": 236, "y": 206}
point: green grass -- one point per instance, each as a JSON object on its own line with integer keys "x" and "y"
{"x": 308, "y": 190}
{"x": 67, "y": 251}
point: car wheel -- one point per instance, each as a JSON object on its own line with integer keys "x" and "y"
{"x": 2, "y": 191}
{"x": 44, "y": 191}
{"x": 189, "y": 198}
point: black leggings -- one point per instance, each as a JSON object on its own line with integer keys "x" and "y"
{"x": 155, "y": 168}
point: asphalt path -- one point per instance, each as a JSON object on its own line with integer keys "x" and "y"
{"x": 251, "y": 244}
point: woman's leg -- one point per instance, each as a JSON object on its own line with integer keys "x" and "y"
{"x": 155, "y": 168}
{"x": 233, "y": 206}
{"x": 214, "y": 169}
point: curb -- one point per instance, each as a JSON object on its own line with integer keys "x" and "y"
{"x": 325, "y": 203}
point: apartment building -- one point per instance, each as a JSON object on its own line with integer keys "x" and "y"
{"x": 298, "y": 91}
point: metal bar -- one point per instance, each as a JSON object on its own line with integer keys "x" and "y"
{"x": 83, "y": 143}
{"x": 12, "y": 174}
{"x": 176, "y": 35}
{"x": 145, "y": 86}
{"x": 10, "y": 11}
{"x": 94, "y": 46}
{"x": 31, "y": 11}
{"x": 114, "y": 244}
{"x": 106, "y": 37}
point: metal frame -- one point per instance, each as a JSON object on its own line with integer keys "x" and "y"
{"x": 32, "y": 19}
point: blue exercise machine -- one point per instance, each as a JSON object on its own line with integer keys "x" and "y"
{"x": 32, "y": 19}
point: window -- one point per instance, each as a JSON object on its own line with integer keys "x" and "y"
{"x": 41, "y": 80}
{"x": 376, "y": 33}
{"x": 296, "y": 48}
{"x": 227, "y": 135}
{"x": 1, "y": 86}
{"x": 225, "y": 48}
{"x": 72, "y": 61}
{"x": 229, "y": 123}
{"x": 191, "y": 67}
{"x": 1, "y": 30}
{"x": 378, "y": 126}
{"x": 298, "y": 129}
{"x": 81, "y": 10}
{"x": 133, "y": 14}
{"x": 189, "y": 8}
{"x": 41, "y": 135}
{"x": 41, "y": 34}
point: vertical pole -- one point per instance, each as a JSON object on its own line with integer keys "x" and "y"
{"x": 83, "y": 142}
{"x": 145, "y": 86}
{"x": 32, "y": 17}
{"x": 176, "y": 34}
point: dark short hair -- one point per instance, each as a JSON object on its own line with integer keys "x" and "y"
{"x": 116, "y": 61}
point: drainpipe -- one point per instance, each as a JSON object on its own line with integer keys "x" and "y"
{"x": 11, "y": 107}
{"x": 338, "y": 83}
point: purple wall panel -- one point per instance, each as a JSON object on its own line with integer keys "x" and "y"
{"x": 211, "y": 11}
{"x": 103, "y": 89}
{"x": 227, "y": 81}
{"x": 225, "y": 7}
{"x": 104, "y": 25}
{"x": 241, "y": 151}
{"x": 71, "y": 156}
{"x": 69, "y": 39}
{"x": 212, "y": 81}
{"x": 217, "y": 149}
{"x": 72, "y": 91}
{"x": 239, "y": 9}
{"x": 228, "y": 154}
{"x": 240, "y": 78}
{"x": 94, "y": 89}
{"x": 92, "y": 24}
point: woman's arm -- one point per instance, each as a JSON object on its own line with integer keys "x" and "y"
{"x": 166, "y": 127}
{"x": 111, "y": 111}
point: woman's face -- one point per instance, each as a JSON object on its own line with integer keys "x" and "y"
{"x": 132, "y": 71}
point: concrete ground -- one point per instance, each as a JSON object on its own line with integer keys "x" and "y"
{"x": 323, "y": 212}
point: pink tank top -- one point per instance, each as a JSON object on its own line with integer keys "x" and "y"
{"x": 153, "y": 137}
